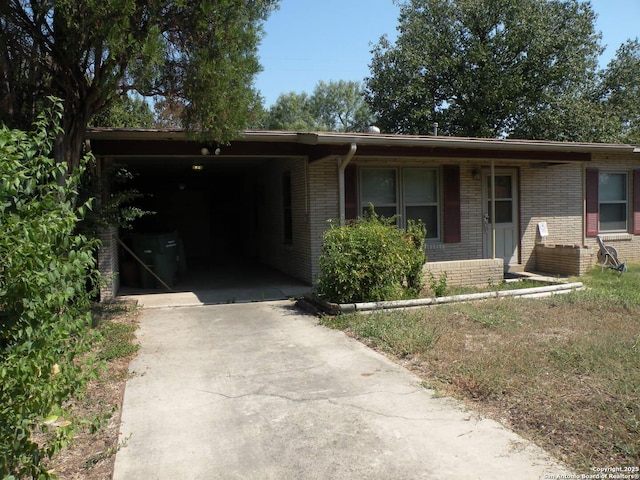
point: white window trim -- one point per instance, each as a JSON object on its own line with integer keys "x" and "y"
{"x": 400, "y": 204}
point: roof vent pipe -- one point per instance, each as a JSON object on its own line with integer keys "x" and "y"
{"x": 342, "y": 165}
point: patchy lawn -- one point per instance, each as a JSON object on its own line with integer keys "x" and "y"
{"x": 562, "y": 371}
{"x": 91, "y": 455}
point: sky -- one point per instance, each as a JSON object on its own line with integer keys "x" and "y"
{"x": 307, "y": 41}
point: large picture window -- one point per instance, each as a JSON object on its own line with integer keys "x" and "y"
{"x": 409, "y": 193}
{"x": 613, "y": 201}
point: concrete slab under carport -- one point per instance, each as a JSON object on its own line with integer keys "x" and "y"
{"x": 215, "y": 283}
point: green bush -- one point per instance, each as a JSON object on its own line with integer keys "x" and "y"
{"x": 371, "y": 260}
{"x": 45, "y": 267}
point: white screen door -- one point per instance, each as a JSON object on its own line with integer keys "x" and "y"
{"x": 506, "y": 221}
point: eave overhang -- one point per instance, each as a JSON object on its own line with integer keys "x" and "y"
{"x": 320, "y": 145}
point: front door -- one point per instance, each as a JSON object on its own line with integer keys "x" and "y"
{"x": 506, "y": 221}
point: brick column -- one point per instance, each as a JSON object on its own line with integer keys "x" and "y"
{"x": 108, "y": 264}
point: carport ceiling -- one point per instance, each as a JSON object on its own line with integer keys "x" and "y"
{"x": 178, "y": 166}
{"x": 185, "y": 148}
{"x": 166, "y": 157}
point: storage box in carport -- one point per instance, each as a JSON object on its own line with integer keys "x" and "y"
{"x": 159, "y": 252}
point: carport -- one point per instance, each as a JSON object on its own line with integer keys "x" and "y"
{"x": 229, "y": 208}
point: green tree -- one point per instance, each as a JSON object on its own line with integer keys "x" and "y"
{"x": 480, "y": 67}
{"x": 168, "y": 112}
{"x": 340, "y": 106}
{"x": 87, "y": 53}
{"x": 125, "y": 112}
{"x": 334, "y": 106}
{"x": 292, "y": 111}
{"x": 620, "y": 91}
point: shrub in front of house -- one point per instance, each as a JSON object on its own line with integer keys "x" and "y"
{"x": 45, "y": 266}
{"x": 371, "y": 260}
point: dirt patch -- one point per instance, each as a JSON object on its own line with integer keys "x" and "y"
{"x": 91, "y": 455}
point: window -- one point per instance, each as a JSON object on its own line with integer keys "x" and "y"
{"x": 379, "y": 188}
{"x": 287, "y": 213}
{"x": 421, "y": 198}
{"x": 504, "y": 198}
{"x": 410, "y": 193}
{"x": 613, "y": 200}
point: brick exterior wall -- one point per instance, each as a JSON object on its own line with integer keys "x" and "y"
{"x": 323, "y": 194}
{"x": 626, "y": 244}
{"x": 291, "y": 258}
{"x": 108, "y": 264}
{"x": 546, "y": 193}
{"x": 479, "y": 272}
{"x": 566, "y": 260}
{"x": 552, "y": 195}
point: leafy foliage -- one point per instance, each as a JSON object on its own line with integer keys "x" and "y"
{"x": 371, "y": 260}
{"x": 202, "y": 54}
{"x": 439, "y": 286}
{"x": 620, "y": 91}
{"x": 125, "y": 112}
{"x": 44, "y": 302}
{"x": 115, "y": 205}
{"x": 334, "y": 106}
{"x": 292, "y": 111}
{"x": 484, "y": 67}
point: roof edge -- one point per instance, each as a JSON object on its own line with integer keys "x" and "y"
{"x": 373, "y": 139}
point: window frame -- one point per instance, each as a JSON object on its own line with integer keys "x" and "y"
{"x": 364, "y": 205}
{"x": 401, "y": 203}
{"x": 625, "y": 202}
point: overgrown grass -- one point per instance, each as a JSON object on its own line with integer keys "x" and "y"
{"x": 525, "y": 283}
{"x": 401, "y": 335}
{"x": 563, "y": 371}
{"x": 118, "y": 341}
{"x": 91, "y": 454}
{"x": 117, "y": 338}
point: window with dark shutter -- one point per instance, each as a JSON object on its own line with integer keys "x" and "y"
{"x": 592, "y": 181}
{"x": 636, "y": 202}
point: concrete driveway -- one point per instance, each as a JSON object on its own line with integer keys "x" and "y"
{"x": 261, "y": 391}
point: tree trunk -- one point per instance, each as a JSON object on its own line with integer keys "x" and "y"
{"x": 69, "y": 144}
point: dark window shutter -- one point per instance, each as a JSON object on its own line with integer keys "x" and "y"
{"x": 350, "y": 193}
{"x": 451, "y": 220}
{"x": 636, "y": 202}
{"x": 592, "y": 220}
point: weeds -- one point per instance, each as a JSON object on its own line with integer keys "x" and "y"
{"x": 439, "y": 286}
{"x": 563, "y": 371}
{"x": 400, "y": 333}
{"x": 116, "y": 337}
{"x": 91, "y": 454}
{"x": 117, "y": 341}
